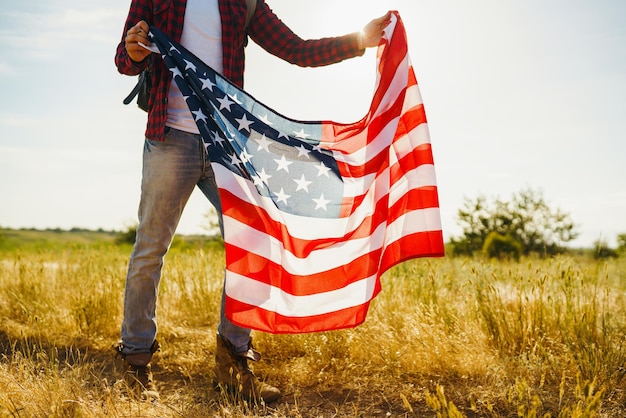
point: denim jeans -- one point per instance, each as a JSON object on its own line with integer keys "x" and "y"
{"x": 171, "y": 170}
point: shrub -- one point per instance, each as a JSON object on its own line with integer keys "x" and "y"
{"x": 527, "y": 218}
{"x": 603, "y": 251}
{"x": 621, "y": 244}
{"x": 127, "y": 237}
{"x": 501, "y": 246}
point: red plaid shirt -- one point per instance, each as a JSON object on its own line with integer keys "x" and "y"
{"x": 266, "y": 29}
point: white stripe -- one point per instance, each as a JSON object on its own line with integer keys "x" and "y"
{"x": 413, "y": 97}
{"x": 422, "y": 176}
{"x": 398, "y": 83}
{"x": 362, "y": 155}
{"x": 303, "y": 227}
{"x": 274, "y": 299}
{"x": 299, "y": 226}
{"x": 412, "y": 223}
{"x": 334, "y": 255}
{"x": 357, "y": 186}
{"x": 417, "y": 136}
{"x": 365, "y": 152}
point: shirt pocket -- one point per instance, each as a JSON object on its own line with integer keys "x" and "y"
{"x": 160, "y": 9}
{"x": 161, "y": 6}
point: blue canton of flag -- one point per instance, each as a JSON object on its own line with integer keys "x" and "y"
{"x": 281, "y": 156}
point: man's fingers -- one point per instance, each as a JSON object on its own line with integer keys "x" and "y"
{"x": 134, "y": 36}
{"x": 138, "y": 33}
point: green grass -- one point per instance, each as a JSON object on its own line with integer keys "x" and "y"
{"x": 36, "y": 239}
{"x": 446, "y": 337}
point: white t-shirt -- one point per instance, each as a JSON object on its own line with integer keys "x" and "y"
{"x": 202, "y": 35}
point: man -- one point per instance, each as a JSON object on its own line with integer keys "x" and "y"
{"x": 175, "y": 160}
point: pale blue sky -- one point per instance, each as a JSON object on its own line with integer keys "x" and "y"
{"x": 518, "y": 94}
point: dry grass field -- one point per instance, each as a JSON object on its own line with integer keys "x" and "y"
{"x": 447, "y": 337}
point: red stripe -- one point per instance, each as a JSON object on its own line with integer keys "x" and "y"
{"x": 412, "y": 78}
{"x": 250, "y": 316}
{"x": 410, "y": 246}
{"x": 347, "y": 139}
{"x": 261, "y": 269}
{"x": 420, "y": 155}
{"x": 257, "y": 218}
{"x": 410, "y": 120}
{"x": 393, "y": 54}
{"x": 423, "y": 198}
{"x": 254, "y": 317}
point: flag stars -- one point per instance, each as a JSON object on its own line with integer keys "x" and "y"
{"x": 281, "y": 196}
{"x": 225, "y": 103}
{"x": 303, "y": 151}
{"x": 207, "y": 84}
{"x": 217, "y": 138}
{"x": 322, "y": 170}
{"x": 254, "y": 143}
{"x": 265, "y": 119}
{"x": 234, "y": 160}
{"x": 236, "y": 99}
{"x": 199, "y": 115}
{"x": 303, "y": 184}
{"x": 176, "y": 73}
{"x": 189, "y": 65}
{"x": 264, "y": 144}
{"x": 245, "y": 156}
{"x": 244, "y": 123}
{"x": 283, "y": 164}
{"x": 300, "y": 134}
{"x": 261, "y": 177}
{"x": 321, "y": 203}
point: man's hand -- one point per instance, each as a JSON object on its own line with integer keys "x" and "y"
{"x": 136, "y": 34}
{"x": 373, "y": 31}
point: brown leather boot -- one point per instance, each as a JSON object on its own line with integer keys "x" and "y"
{"x": 233, "y": 373}
{"x": 138, "y": 374}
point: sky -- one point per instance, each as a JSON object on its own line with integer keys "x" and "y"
{"x": 518, "y": 95}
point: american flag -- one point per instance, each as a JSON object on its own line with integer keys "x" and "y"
{"x": 315, "y": 212}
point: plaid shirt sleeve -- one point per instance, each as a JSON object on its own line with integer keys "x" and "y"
{"x": 139, "y": 10}
{"x": 168, "y": 16}
{"x": 269, "y": 32}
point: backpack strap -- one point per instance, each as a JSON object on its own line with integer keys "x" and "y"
{"x": 251, "y": 8}
{"x": 144, "y": 76}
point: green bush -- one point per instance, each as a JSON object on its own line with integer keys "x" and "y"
{"x": 603, "y": 251}
{"x": 501, "y": 246}
{"x": 527, "y": 217}
{"x": 127, "y": 237}
{"x": 621, "y": 244}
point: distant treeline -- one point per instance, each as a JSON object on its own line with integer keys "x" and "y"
{"x": 57, "y": 238}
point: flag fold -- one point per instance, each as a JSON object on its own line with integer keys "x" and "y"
{"x": 315, "y": 211}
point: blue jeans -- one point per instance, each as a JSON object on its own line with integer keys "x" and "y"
{"x": 171, "y": 170}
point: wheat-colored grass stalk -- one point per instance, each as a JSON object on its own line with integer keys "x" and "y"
{"x": 446, "y": 337}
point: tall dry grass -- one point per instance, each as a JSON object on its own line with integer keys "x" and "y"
{"x": 446, "y": 337}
